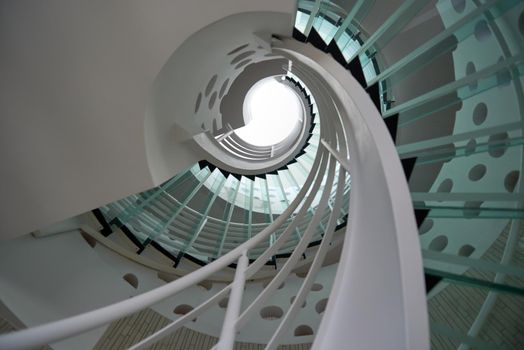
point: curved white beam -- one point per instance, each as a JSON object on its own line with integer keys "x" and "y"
{"x": 378, "y": 299}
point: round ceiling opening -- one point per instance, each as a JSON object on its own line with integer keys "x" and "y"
{"x": 272, "y": 111}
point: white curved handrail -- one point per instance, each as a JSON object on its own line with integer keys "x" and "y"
{"x": 293, "y": 259}
{"x": 314, "y": 269}
{"x": 173, "y": 326}
{"x": 253, "y": 267}
{"x": 385, "y": 295}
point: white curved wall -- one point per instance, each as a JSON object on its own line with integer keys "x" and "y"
{"x": 76, "y": 78}
{"x": 187, "y": 93}
{"x": 38, "y": 289}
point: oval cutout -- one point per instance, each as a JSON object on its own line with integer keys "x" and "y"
{"x": 235, "y": 50}
{"x": 316, "y": 287}
{"x": 466, "y": 250}
{"x": 480, "y": 113}
{"x": 131, "y": 279}
{"x": 445, "y": 186}
{"x": 320, "y": 307}
{"x": 271, "y": 313}
{"x": 211, "y": 84}
{"x": 182, "y": 309}
{"x": 439, "y": 243}
{"x": 477, "y": 172}
{"x": 511, "y": 180}
{"x": 303, "y": 330}
{"x": 426, "y": 226}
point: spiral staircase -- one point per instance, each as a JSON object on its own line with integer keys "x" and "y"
{"x": 412, "y": 123}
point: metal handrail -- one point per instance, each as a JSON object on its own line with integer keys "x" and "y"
{"x": 55, "y": 331}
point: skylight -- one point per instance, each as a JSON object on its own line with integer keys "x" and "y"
{"x": 271, "y": 112}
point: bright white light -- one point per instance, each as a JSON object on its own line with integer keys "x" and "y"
{"x": 271, "y": 112}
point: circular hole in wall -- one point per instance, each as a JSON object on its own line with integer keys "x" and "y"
{"x": 477, "y": 172}
{"x": 470, "y": 69}
{"x": 521, "y": 23}
{"x": 212, "y": 100}
{"x": 198, "y": 101}
{"x": 470, "y": 147}
{"x": 271, "y": 313}
{"x": 500, "y": 145}
{"x": 466, "y": 250}
{"x": 426, "y": 226}
{"x": 223, "y": 303}
{"x": 131, "y": 279}
{"x": 293, "y": 299}
{"x": 242, "y": 56}
{"x": 211, "y": 84}
{"x": 316, "y": 287}
{"x": 480, "y": 113}
{"x": 511, "y": 179}
{"x": 438, "y": 243}
{"x": 182, "y": 309}
{"x": 303, "y": 330}
{"x": 223, "y": 88}
{"x": 320, "y": 307}
{"x": 459, "y": 5}
{"x": 482, "y": 31}
{"x": 472, "y": 209}
{"x": 235, "y": 50}
{"x": 445, "y": 186}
